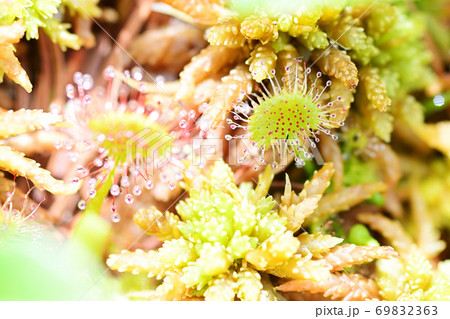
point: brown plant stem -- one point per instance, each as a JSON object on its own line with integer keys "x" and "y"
{"x": 136, "y": 20}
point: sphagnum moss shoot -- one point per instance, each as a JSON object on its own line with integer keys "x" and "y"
{"x": 288, "y": 117}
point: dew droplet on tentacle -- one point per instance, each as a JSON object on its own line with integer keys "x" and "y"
{"x": 70, "y": 91}
{"x": 137, "y": 190}
{"x": 82, "y": 205}
{"x": 115, "y": 217}
{"x": 98, "y": 162}
{"x": 183, "y": 124}
{"x": 178, "y": 176}
{"x": 129, "y": 199}
{"x": 78, "y": 78}
{"x": 115, "y": 190}
{"x": 137, "y": 74}
{"x": 125, "y": 181}
{"x": 92, "y": 183}
{"x": 55, "y": 109}
{"x": 88, "y": 82}
{"x": 149, "y": 184}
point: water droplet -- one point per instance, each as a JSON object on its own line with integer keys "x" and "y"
{"x": 137, "y": 73}
{"x": 334, "y": 137}
{"x": 92, "y": 182}
{"x": 75, "y": 180}
{"x": 160, "y": 81}
{"x": 183, "y": 123}
{"x": 108, "y": 106}
{"x": 55, "y": 109}
{"x": 134, "y": 171}
{"x": 70, "y": 91}
{"x": 439, "y": 100}
{"x": 171, "y": 186}
{"x": 125, "y": 181}
{"x": 68, "y": 145}
{"x": 143, "y": 88}
{"x": 82, "y": 205}
{"x": 300, "y": 163}
{"x": 57, "y": 145}
{"x": 274, "y": 164}
{"x": 137, "y": 190}
{"x": 74, "y": 156}
{"x": 109, "y": 72}
{"x": 87, "y": 99}
{"x": 153, "y": 116}
{"x": 88, "y": 82}
{"x": 228, "y": 137}
{"x": 101, "y": 138}
{"x": 149, "y": 184}
{"x": 92, "y": 193}
{"x": 129, "y": 199}
{"x": 98, "y": 162}
{"x": 78, "y": 77}
{"x": 189, "y": 173}
{"x": 202, "y": 107}
{"x": 115, "y": 190}
{"x": 115, "y": 218}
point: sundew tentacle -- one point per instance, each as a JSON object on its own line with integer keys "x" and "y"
{"x": 134, "y": 141}
{"x": 288, "y": 115}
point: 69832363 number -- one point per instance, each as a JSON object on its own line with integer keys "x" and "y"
{"x": 407, "y": 310}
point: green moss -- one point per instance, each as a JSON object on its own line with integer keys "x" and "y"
{"x": 360, "y": 235}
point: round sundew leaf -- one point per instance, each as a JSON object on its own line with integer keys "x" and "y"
{"x": 127, "y": 129}
{"x": 288, "y": 115}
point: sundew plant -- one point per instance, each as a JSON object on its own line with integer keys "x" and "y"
{"x": 224, "y": 150}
